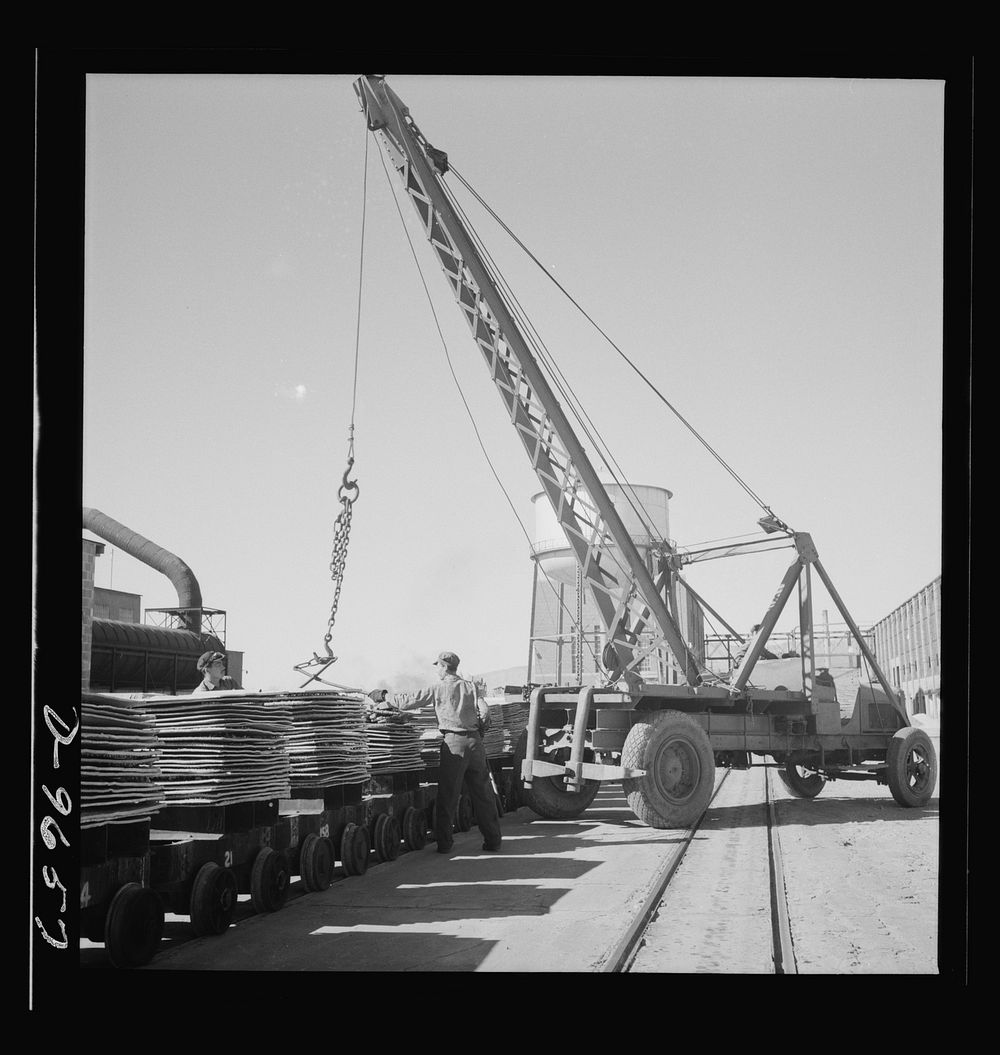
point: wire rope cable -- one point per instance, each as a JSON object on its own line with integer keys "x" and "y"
{"x": 715, "y": 454}
{"x": 557, "y": 376}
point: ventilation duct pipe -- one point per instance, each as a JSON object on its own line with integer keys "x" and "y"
{"x": 132, "y": 543}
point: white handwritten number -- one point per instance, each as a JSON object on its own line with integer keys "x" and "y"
{"x": 53, "y": 883}
{"x": 85, "y": 895}
{"x": 228, "y": 859}
{"x": 61, "y": 800}
{"x": 48, "y": 937}
{"x": 60, "y": 738}
{"x": 47, "y": 837}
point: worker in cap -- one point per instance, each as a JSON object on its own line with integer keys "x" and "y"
{"x": 212, "y": 667}
{"x": 462, "y": 717}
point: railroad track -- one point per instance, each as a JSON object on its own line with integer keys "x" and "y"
{"x": 731, "y": 889}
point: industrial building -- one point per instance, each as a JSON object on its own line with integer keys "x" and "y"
{"x": 908, "y": 648}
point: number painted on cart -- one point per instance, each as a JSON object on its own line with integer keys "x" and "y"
{"x": 265, "y": 837}
{"x": 227, "y": 859}
{"x": 85, "y": 895}
{"x": 324, "y": 831}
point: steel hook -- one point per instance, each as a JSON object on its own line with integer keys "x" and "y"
{"x": 348, "y": 485}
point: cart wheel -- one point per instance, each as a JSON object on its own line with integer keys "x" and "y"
{"x": 387, "y": 838}
{"x": 133, "y": 926}
{"x": 801, "y": 781}
{"x": 354, "y": 847}
{"x": 269, "y": 879}
{"x": 375, "y": 829}
{"x": 414, "y": 828}
{"x": 911, "y": 767}
{"x": 213, "y": 899}
{"x": 677, "y": 755}
{"x": 316, "y": 862}
{"x": 503, "y": 791}
{"x": 464, "y": 814}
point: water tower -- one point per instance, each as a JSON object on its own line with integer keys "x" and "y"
{"x": 567, "y": 634}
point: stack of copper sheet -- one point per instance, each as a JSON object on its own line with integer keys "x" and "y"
{"x": 119, "y": 756}
{"x": 393, "y": 742}
{"x": 507, "y": 722}
{"x": 222, "y": 748}
{"x": 327, "y": 746}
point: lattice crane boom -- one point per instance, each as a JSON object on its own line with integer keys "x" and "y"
{"x": 623, "y": 588}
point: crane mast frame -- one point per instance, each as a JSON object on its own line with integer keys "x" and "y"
{"x": 662, "y": 742}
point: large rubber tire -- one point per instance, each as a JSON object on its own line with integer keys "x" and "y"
{"x": 677, "y": 756}
{"x": 133, "y": 926}
{"x": 801, "y": 781}
{"x": 269, "y": 880}
{"x": 911, "y": 767}
{"x": 213, "y": 899}
{"x": 548, "y": 796}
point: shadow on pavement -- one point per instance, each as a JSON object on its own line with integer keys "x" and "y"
{"x": 834, "y": 810}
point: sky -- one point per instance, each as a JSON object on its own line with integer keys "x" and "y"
{"x": 767, "y": 252}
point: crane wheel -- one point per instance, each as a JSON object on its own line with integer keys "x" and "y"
{"x": 911, "y": 767}
{"x": 677, "y": 755}
{"x": 548, "y": 796}
{"x": 801, "y": 781}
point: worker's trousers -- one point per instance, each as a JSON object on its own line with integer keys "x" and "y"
{"x": 463, "y": 759}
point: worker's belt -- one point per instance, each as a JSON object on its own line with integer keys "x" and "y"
{"x": 460, "y": 732}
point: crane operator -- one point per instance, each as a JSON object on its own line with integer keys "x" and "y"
{"x": 462, "y": 715}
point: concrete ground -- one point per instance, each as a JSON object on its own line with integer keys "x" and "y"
{"x": 557, "y": 898}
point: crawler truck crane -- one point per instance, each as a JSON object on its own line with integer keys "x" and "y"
{"x": 662, "y": 742}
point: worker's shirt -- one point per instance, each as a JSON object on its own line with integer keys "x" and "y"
{"x": 225, "y": 682}
{"x": 456, "y": 703}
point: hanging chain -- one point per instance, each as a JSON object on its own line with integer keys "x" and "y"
{"x": 349, "y": 490}
{"x": 341, "y": 537}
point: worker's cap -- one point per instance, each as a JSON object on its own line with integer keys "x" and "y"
{"x": 206, "y": 659}
{"x": 449, "y": 659}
